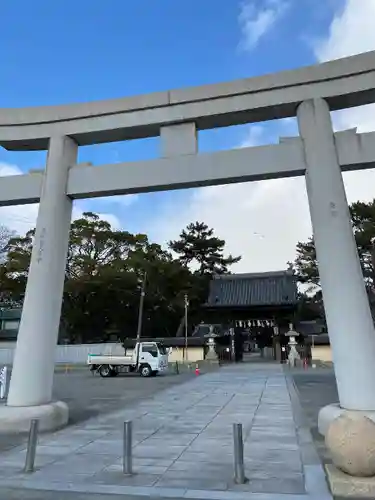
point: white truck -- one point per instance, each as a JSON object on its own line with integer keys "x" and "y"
{"x": 147, "y": 358}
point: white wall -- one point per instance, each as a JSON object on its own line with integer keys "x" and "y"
{"x": 77, "y": 354}
{"x": 194, "y": 354}
{"x": 72, "y": 354}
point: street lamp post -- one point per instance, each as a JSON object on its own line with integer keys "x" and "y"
{"x": 186, "y": 301}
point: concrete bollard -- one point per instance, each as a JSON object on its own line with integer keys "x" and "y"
{"x": 31, "y": 446}
{"x": 127, "y": 450}
{"x": 239, "y": 467}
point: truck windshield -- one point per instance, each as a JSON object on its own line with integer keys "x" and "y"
{"x": 162, "y": 349}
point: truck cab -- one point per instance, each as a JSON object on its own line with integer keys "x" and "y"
{"x": 152, "y": 356}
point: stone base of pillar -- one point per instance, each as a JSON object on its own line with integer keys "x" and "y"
{"x": 350, "y": 440}
{"x": 344, "y": 486}
{"x": 51, "y": 417}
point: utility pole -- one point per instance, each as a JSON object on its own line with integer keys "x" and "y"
{"x": 140, "y": 315}
{"x": 372, "y": 289}
{"x": 186, "y": 325}
{"x": 141, "y": 304}
{"x": 372, "y": 253}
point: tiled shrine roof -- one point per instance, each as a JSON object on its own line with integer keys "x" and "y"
{"x": 251, "y": 290}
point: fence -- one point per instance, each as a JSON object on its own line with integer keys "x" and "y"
{"x": 72, "y": 354}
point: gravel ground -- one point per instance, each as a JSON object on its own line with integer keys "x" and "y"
{"x": 316, "y": 388}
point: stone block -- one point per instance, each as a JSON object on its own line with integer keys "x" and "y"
{"x": 219, "y": 474}
{"x": 206, "y": 457}
{"x": 345, "y": 486}
{"x": 279, "y": 486}
{"x": 18, "y": 460}
{"x": 157, "y": 451}
{"x": 151, "y": 469}
{"x": 80, "y": 464}
{"x": 285, "y": 457}
{"x": 103, "y": 448}
{"x": 60, "y": 475}
{"x": 270, "y": 446}
{"x": 315, "y": 480}
{"x": 113, "y": 477}
{"x": 286, "y": 467}
{"x": 194, "y": 484}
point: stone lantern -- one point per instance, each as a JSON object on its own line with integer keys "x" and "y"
{"x": 211, "y": 343}
{"x": 293, "y": 355}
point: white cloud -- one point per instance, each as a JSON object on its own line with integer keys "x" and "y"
{"x": 351, "y": 32}
{"x": 257, "y": 20}
{"x": 263, "y": 221}
{"x": 111, "y": 218}
{"x": 258, "y": 220}
{"x": 122, "y": 200}
{"x": 254, "y": 136}
{"x": 21, "y": 218}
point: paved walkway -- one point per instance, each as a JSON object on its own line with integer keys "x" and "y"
{"x": 183, "y": 444}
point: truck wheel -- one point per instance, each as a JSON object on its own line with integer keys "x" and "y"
{"x": 145, "y": 371}
{"x": 105, "y": 371}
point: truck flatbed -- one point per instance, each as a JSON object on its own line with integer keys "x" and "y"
{"x": 109, "y": 359}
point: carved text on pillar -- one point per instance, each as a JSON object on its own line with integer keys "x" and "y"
{"x": 41, "y": 244}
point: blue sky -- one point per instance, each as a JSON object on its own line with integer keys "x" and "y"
{"x": 61, "y": 51}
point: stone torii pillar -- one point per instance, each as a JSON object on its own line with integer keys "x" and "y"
{"x": 30, "y": 392}
{"x": 349, "y": 321}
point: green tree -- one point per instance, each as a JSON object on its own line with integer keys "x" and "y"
{"x": 104, "y": 271}
{"x": 94, "y": 246}
{"x": 14, "y": 270}
{"x": 306, "y": 264}
{"x": 9, "y": 287}
{"x": 200, "y": 250}
{"x": 363, "y": 221}
{"x": 197, "y": 246}
{"x": 310, "y": 307}
{"x": 5, "y": 235}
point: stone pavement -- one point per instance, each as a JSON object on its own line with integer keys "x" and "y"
{"x": 183, "y": 444}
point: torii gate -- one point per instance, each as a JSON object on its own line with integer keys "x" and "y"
{"x": 319, "y": 154}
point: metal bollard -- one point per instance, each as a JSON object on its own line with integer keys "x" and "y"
{"x": 239, "y": 468}
{"x": 127, "y": 458}
{"x": 177, "y": 368}
{"x": 31, "y": 446}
